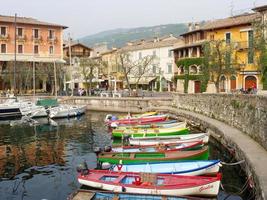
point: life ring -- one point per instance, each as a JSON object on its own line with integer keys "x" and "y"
{"x": 137, "y": 180}
{"x": 119, "y": 166}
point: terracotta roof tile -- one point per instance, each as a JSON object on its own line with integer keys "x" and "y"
{"x": 27, "y": 20}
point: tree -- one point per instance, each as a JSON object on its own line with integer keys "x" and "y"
{"x": 90, "y": 69}
{"x": 136, "y": 69}
{"x": 260, "y": 45}
{"x": 219, "y": 59}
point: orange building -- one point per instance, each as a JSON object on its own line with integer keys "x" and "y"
{"x": 36, "y": 42}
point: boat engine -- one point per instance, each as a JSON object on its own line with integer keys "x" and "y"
{"x": 107, "y": 149}
{"x": 105, "y": 165}
{"x": 97, "y": 150}
{"x": 83, "y": 168}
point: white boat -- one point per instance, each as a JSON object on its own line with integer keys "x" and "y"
{"x": 189, "y": 168}
{"x": 204, "y": 137}
{"x": 9, "y": 111}
{"x": 63, "y": 111}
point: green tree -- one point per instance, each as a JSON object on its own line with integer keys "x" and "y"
{"x": 219, "y": 59}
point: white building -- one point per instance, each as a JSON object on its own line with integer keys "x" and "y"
{"x": 162, "y": 67}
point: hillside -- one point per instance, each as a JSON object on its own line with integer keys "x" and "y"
{"x": 118, "y": 37}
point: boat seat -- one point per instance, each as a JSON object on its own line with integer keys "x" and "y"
{"x": 132, "y": 156}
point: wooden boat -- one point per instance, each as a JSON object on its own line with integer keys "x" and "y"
{"x": 189, "y": 168}
{"x": 142, "y": 120}
{"x": 151, "y": 132}
{"x": 169, "y": 139}
{"x": 165, "y": 124}
{"x": 144, "y": 183}
{"x": 160, "y": 147}
{"x": 145, "y": 114}
{"x": 149, "y": 157}
{"x": 107, "y": 195}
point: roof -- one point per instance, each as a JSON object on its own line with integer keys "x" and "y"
{"x": 77, "y": 44}
{"x": 108, "y": 52}
{"x": 150, "y": 44}
{"x": 195, "y": 44}
{"x": 260, "y": 8}
{"x": 238, "y": 20}
{"x": 27, "y": 20}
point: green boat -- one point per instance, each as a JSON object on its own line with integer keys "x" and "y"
{"x": 150, "y": 132}
{"x": 150, "y": 157}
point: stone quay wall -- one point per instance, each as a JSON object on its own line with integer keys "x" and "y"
{"x": 248, "y": 113}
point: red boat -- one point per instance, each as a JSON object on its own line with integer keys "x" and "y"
{"x": 136, "y": 121}
{"x": 145, "y": 183}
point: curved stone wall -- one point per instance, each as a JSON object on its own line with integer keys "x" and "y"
{"x": 248, "y": 113}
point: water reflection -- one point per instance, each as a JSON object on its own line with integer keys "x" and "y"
{"x": 38, "y": 161}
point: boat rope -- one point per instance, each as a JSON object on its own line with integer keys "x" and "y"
{"x": 232, "y": 164}
{"x": 242, "y": 190}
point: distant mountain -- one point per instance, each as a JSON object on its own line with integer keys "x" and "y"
{"x": 119, "y": 37}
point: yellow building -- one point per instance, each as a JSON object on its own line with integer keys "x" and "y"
{"x": 112, "y": 75}
{"x": 237, "y": 31}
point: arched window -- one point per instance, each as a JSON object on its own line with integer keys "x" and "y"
{"x": 222, "y": 83}
{"x": 181, "y": 70}
{"x": 193, "y": 69}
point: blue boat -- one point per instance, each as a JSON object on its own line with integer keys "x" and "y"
{"x": 100, "y": 195}
{"x": 189, "y": 168}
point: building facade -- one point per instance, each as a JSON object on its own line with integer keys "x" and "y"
{"x": 37, "y": 44}
{"x": 161, "y": 70}
{"x": 237, "y": 31}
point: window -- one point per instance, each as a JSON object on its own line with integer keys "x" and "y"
{"x": 36, "y": 33}
{"x": 212, "y": 37}
{"x": 227, "y": 38}
{"x": 19, "y": 32}
{"x": 170, "y": 53}
{"x": 51, "y": 50}
{"x": 250, "y": 47}
{"x": 169, "y": 68}
{"x": 140, "y": 55}
{"x": 36, "y": 49}
{"x": 154, "y": 69}
{"x": 20, "y": 48}
{"x": 51, "y": 34}
{"x": 3, "y": 48}
{"x": 3, "y": 31}
{"x": 228, "y": 59}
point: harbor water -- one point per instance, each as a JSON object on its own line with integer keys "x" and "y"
{"x": 38, "y": 159}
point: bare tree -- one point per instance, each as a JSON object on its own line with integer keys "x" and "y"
{"x": 90, "y": 68}
{"x": 136, "y": 69}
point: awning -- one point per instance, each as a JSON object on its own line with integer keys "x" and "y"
{"x": 31, "y": 58}
{"x": 142, "y": 81}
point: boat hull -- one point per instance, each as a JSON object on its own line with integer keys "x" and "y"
{"x": 164, "y": 185}
{"x": 65, "y": 111}
{"x": 169, "y": 139}
{"x": 189, "y": 168}
{"x": 150, "y": 157}
{"x": 150, "y": 133}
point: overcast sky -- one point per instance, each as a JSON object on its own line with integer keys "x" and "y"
{"x": 85, "y": 17}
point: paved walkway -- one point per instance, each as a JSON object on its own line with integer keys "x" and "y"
{"x": 256, "y": 155}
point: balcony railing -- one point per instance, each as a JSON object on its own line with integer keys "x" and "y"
{"x": 52, "y": 39}
{"x": 241, "y": 46}
{"x": 79, "y": 54}
{"x": 37, "y": 39}
{"x": 4, "y": 37}
{"x": 21, "y": 38}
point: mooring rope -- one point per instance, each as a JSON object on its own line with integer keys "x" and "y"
{"x": 232, "y": 164}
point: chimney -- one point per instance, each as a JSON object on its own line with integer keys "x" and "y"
{"x": 197, "y": 26}
{"x": 190, "y": 28}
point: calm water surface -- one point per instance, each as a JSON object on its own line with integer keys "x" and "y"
{"x": 39, "y": 161}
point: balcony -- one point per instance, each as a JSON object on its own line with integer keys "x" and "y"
{"x": 78, "y": 54}
{"x": 241, "y": 46}
{"x": 4, "y": 37}
{"x": 52, "y": 40}
{"x": 37, "y": 39}
{"x": 21, "y": 38}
